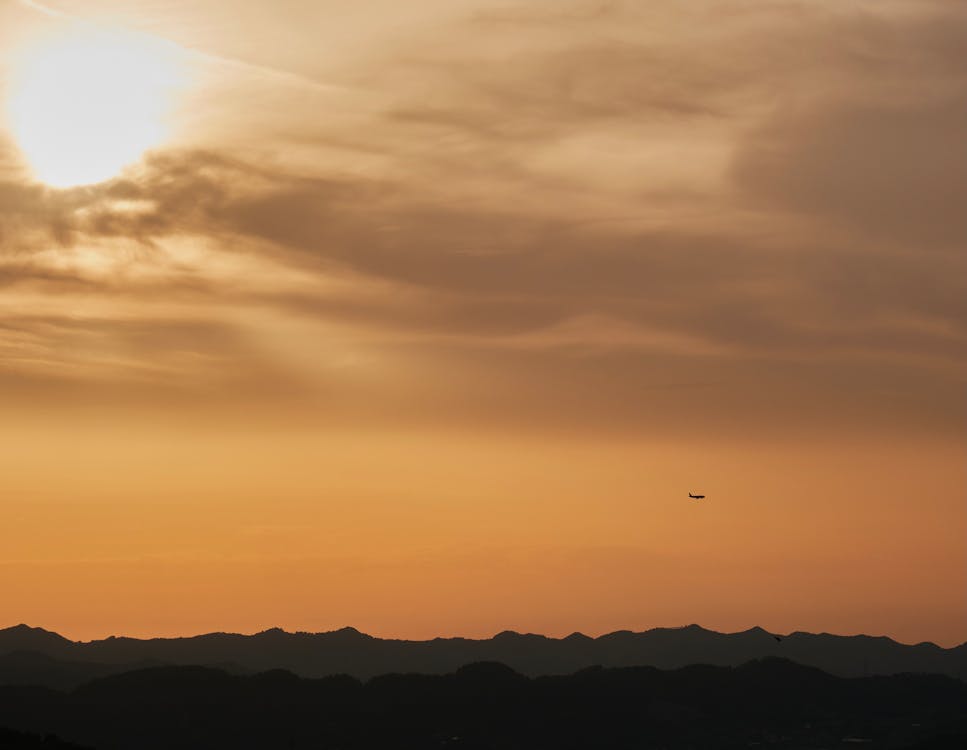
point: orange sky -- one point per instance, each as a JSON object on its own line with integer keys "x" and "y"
{"x": 424, "y": 319}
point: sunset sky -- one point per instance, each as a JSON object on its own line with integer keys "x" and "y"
{"x": 424, "y": 317}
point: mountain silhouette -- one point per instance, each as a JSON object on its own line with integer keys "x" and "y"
{"x": 35, "y": 668}
{"x": 25, "y": 638}
{"x": 769, "y": 702}
{"x": 55, "y": 661}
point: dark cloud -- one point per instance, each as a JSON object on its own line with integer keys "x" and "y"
{"x": 830, "y": 262}
{"x": 479, "y": 272}
{"x": 897, "y": 173}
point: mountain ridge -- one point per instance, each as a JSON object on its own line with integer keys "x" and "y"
{"x": 349, "y": 651}
{"x": 772, "y": 701}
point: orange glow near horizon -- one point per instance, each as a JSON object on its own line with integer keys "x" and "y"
{"x": 461, "y": 536}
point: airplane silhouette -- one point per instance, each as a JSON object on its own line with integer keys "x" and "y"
{"x": 696, "y": 497}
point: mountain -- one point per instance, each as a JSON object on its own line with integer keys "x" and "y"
{"x": 26, "y": 638}
{"x": 771, "y": 702}
{"x": 35, "y": 668}
{"x": 348, "y": 651}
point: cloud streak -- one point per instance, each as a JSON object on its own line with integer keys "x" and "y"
{"x": 801, "y": 214}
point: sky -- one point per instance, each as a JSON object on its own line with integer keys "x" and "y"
{"x": 426, "y": 317}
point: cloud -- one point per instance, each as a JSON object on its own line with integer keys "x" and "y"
{"x": 771, "y": 200}
{"x": 739, "y": 290}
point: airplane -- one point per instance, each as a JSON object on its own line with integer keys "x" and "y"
{"x": 696, "y": 497}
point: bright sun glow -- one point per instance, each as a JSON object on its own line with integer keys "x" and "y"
{"x": 88, "y": 102}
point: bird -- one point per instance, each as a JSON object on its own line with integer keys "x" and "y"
{"x": 696, "y": 497}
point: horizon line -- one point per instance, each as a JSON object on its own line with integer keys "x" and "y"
{"x": 484, "y": 638}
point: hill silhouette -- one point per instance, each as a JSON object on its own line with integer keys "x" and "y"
{"x": 36, "y": 656}
{"x": 771, "y": 703}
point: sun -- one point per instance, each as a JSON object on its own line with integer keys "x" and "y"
{"x": 89, "y": 101}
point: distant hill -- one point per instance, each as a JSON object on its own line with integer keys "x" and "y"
{"x": 36, "y": 668}
{"x": 770, "y": 702}
{"x": 55, "y": 661}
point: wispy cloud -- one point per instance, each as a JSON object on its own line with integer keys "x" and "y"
{"x": 646, "y": 201}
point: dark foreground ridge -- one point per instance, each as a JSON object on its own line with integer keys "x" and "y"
{"x": 768, "y": 703}
{"x": 11, "y": 740}
{"x": 39, "y": 657}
